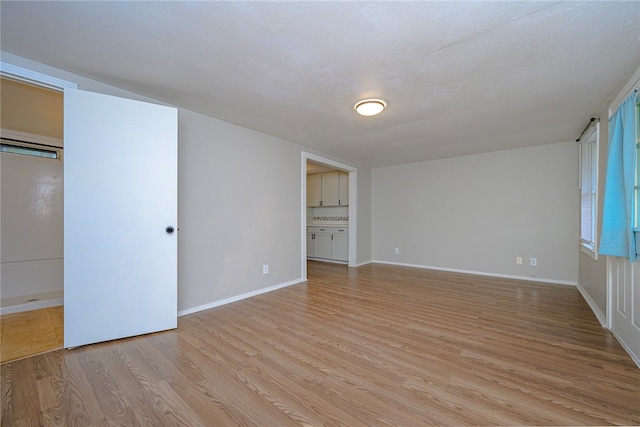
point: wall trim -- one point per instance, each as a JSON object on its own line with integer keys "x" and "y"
{"x": 482, "y": 273}
{"x": 33, "y": 77}
{"x": 592, "y": 304}
{"x": 238, "y": 297}
{"x": 35, "y": 305}
{"x": 360, "y": 264}
{"x": 327, "y": 260}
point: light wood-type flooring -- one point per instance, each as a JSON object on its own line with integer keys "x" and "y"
{"x": 31, "y": 332}
{"x": 368, "y": 346}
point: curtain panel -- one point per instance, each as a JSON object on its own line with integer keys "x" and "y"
{"x": 617, "y": 237}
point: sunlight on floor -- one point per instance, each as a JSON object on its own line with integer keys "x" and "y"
{"x": 31, "y": 332}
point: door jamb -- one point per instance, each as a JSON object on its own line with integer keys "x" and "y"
{"x": 35, "y": 78}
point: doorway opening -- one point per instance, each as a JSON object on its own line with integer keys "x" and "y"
{"x": 31, "y": 311}
{"x": 328, "y": 209}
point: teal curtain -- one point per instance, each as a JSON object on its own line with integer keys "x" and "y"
{"x": 617, "y": 218}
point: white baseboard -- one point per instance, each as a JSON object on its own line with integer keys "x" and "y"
{"x": 482, "y": 273}
{"x": 360, "y": 264}
{"x": 35, "y": 305}
{"x": 238, "y": 297}
{"x": 634, "y": 357}
{"x": 592, "y": 304}
{"x": 332, "y": 261}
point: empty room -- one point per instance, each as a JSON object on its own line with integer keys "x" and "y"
{"x": 319, "y": 213}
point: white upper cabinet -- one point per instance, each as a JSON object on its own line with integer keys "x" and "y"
{"x": 328, "y": 189}
{"x": 314, "y": 190}
{"x": 344, "y": 189}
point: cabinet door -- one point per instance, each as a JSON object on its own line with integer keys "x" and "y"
{"x": 330, "y": 189}
{"x": 324, "y": 247}
{"x": 314, "y": 190}
{"x": 341, "y": 247}
{"x": 344, "y": 189}
{"x": 311, "y": 244}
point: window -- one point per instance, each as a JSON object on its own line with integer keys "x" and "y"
{"x": 588, "y": 189}
{"x": 36, "y": 150}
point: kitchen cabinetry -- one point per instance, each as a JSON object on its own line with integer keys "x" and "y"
{"x": 324, "y": 246}
{"x": 328, "y": 189}
{"x": 314, "y": 190}
{"x": 311, "y": 244}
{"x": 331, "y": 243}
{"x": 344, "y": 189}
{"x": 340, "y": 244}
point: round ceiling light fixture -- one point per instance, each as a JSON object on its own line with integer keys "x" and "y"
{"x": 370, "y": 107}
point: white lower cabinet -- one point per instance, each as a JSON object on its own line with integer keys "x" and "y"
{"x": 311, "y": 243}
{"x": 330, "y": 243}
{"x": 341, "y": 244}
{"x": 324, "y": 248}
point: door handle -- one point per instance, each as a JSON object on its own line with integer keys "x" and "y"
{"x": 169, "y": 229}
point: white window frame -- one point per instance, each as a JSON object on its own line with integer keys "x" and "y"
{"x": 592, "y": 136}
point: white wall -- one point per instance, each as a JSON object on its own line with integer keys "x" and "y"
{"x": 478, "y": 213}
{"x": 238, "y": 203}
{"x": 239, "y": 208}
{"x": 31, "y": 227}
{"x": 365, "y": 226}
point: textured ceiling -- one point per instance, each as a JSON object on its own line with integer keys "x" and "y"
{"x": 459, "y": 77}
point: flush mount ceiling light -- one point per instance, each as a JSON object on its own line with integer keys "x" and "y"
{"x": 370, "y": 107}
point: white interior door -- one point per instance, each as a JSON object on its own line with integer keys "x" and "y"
{"x": 120, "y": 195}
{"x": 624, "y": 303}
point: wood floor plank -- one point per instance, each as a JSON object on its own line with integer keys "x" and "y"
{"x": 26, "y": 402}
{"x": 374, "y": 345}
{"x": 6, "y": 394}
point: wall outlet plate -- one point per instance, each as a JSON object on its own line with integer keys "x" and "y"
{"x": 533, "y": 262}
{"x": 519, "y": 260}
{"x": 265, "y": 269}
{"x": 397, "y": 251}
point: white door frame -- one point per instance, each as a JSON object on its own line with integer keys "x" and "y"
{"x": 353, "y": 207}
{"x": 35, "y": 78}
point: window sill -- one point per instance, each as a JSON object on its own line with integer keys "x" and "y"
{"x": 589, "y": 251}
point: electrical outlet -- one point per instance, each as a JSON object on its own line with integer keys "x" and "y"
{"x": 533, "y": 262}
{"x": 397, "y": 251}
{"x": 519, "y": 260}
{"x": 265, "y": 269}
